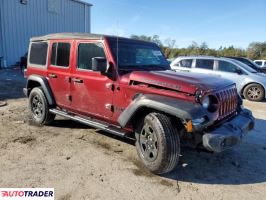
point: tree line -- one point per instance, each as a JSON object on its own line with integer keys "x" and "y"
{"x": 255, "y": 50}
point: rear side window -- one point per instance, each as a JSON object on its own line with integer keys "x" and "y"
{"x": 60, "y": 54}
{"x": 186, "y": 63}
{"x": 227, "y": 67}
{"x": 38, "y": 53}
{"x": 87, "y": 51}
{"x": 204, "y": 64}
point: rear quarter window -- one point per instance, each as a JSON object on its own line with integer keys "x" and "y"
{"x": 185, "y": 63}
{"x": 38, "y": 53}
{"x": 204, "y": 64}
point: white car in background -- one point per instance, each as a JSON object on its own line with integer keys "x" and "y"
{"x": 250, "y": 83}
{"x": 261, "y": 63}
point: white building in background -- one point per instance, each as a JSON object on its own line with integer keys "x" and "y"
{"x": 22, "y": 19}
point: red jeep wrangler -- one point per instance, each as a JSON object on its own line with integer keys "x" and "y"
{"x": 126, "y": 87}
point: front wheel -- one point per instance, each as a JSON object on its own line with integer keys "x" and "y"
{"x": 39, "y": 107}
{"x": 254, "y": 92}
{"x": 157, "y": 143}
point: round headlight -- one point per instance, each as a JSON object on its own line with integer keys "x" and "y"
{"x": 210, "y": 103}
{"x": 206, "y": 102}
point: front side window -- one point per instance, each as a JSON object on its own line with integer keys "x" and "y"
{"x": 60, "y": 54}
{"x": 186, "y": 63}
{"x": 204, "y": 64}
{"x": 227, "y": 67}
{"x": 38, "y": 53}
{"x": 87, "y": 51}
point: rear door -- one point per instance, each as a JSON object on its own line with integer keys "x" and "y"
{"x": 59, "y": 72}
{"x": 91, "y": 91}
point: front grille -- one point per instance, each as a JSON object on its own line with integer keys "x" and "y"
{"x": 227, "y": 102}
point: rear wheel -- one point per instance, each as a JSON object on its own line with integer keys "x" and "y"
{"x": 39, "y": 107}
{"x": 157, "y": 143}
{"x": 254, "y": 92}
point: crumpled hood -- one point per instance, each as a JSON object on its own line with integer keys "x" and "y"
{"x": 186, "y": 82}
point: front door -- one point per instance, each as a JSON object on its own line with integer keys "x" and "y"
{"x": 91, "y": 91}
{"x": 59, "y": 72}
{"x": 232, "y": 72}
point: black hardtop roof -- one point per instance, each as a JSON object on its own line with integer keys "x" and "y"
{"x": 67, "y": 36}
{"x": 56, "y": 36}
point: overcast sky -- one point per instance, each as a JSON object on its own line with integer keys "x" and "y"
{"x": 219, "y": 23}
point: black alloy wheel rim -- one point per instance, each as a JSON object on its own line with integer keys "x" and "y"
{"x": 148, "y": 143}
{"x": 37, "y": 106}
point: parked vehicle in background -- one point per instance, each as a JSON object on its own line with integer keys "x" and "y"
{"x": 250, "y": 63}
{"x": 23, "y": 62}
{"x": 170, "y": 60}
{"x": 125, "y": 87}
{"x": 261, "y": 63}
{"x": 250, "y": 83}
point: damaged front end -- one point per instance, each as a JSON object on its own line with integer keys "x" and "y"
{"x": 230, "y": 133}
{"x": 226, "y": 124}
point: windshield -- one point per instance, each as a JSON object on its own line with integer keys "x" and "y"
{"x": 250, "y": 63}
{"x": 137, "y": 55}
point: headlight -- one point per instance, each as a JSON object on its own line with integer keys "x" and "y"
{"x": 210, "y": 103}
{"x": 206, "y": 102}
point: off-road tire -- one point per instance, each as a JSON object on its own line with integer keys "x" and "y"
{"x": 168, "y": 143}
{"x": 254, "y": 92}
{"x": 37, "y": 100}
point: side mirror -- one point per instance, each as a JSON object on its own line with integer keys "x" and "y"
{"x": 239, "y": 71}
{"x": 99, "y": 64}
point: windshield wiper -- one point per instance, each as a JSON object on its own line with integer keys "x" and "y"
{"x": 156, "y": 66}
{"x": 142, "y": 67}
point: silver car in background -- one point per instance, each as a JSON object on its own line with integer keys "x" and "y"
{"x": 250, "y": 83}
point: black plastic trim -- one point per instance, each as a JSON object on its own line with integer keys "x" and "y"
{"x": 230, "y": 133}
{"x": 45, "y": 87}
{"x": 90, "y": 122}
{"x": 179, "y": 108}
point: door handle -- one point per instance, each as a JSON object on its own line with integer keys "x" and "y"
{"x": 77, "y": 80}
{"x": 52, "y": 75}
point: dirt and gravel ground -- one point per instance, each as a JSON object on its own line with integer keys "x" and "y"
{"x": 83, "y": 163}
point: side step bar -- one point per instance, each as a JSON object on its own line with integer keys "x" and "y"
{"x": 89, "y": 122}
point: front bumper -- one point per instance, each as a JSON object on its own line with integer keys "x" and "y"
{"x": 230, "y": 133}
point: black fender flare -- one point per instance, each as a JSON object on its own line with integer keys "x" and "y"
{"x": 45, "y": 87}
{"x": 172, "y": 106}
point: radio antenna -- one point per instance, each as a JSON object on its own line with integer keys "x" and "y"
{"x": 117, "y": 45}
